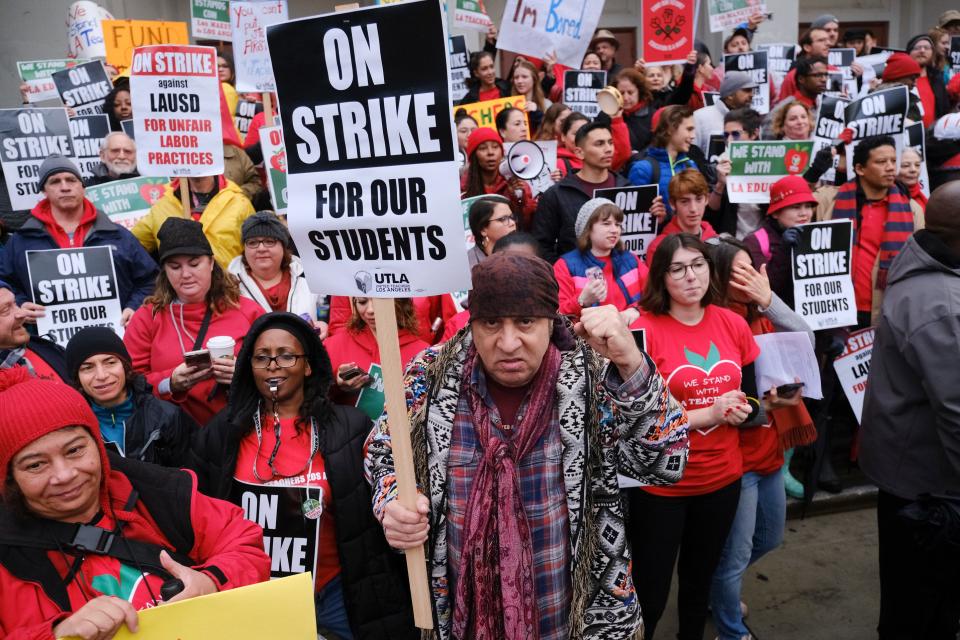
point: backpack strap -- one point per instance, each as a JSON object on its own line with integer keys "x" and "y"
{"x": 763, "y": 239}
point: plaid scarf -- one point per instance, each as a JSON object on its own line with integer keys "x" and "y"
{"x": 495, "y": 595}
{"x": 896, "y": 230}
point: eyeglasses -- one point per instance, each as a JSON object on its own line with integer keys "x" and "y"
{"x": 678, "y": 271}
{"x": 736, "y": 135}
{"x": 253, "y": 243}
{"x": 504, "y": 220}
{"x": 284, "y": 360}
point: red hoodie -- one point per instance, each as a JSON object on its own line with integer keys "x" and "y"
{"x": 223, "y": 538}
{"x": 157, "y": 343}
{"x": 360, "y": 347}
{"x": 44, "y": 214}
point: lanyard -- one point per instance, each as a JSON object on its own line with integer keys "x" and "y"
{"x": 274, "y": 473}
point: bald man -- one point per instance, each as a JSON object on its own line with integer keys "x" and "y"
{"x": 911, "y": 428}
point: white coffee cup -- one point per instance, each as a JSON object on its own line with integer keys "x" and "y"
{"x": 221, "y": 346}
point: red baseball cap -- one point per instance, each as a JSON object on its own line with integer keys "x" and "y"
{"x": 789, "y": 191}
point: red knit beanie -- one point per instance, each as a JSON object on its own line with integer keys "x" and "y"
{"x": 479, "y": 136}
{"x": 30, "y": 408}
{"x": 900, "y": 65}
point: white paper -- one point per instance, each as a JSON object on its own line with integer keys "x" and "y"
{"x": 785, "y": 356}
{"x": 248, "y": 24}
{"x": 538, "y": 27}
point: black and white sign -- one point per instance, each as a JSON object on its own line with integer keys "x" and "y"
{"x": 84, "y": 87}
{"x": 827, "y": 128}
{"x": 246, "y": 109}
{"x": 27, "y": 137}
{"x": 853, "y": 368}
{"x": 715, "y": 148}
{"x": 79, "y": 289}
{"x": 127, "y": 126}
{"x": 640, "y": 227}
{"x": 88, "y": 133}
{"x": 755, "y": 64}
{"x": 459, "y": 58}
{"x": 883, "y": 113}
{"x": 580, "y": 90}
{"x": 822, "y": 280}
{"x": 915, "y": 137}
{"x": 710, "y": 98}
{"x": 843, "y": 59}
{"x": 780, "y": 58}
{"x": 371, "y": 151}
{"x": 954, "y": 54}
{"x": 289, "y": 538}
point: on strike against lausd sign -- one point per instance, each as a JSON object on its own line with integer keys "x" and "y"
{"x": 176, "y": 104}
{"x": 372, "y": 173}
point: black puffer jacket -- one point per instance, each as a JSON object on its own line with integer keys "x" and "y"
{"x": 374, "y": 577}
{"x": 158, "y": 431}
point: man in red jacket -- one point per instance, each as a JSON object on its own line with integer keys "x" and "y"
{"x": 88, "y": 538}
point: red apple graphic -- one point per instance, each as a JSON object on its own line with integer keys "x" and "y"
{"x": 279, "y": 160}
{"x": 702, "y": 375}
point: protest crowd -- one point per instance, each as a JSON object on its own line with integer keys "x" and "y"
{"x": 685, "y": 284}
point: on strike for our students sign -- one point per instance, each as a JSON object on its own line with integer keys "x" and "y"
{"x": 83, "y": 87}
{"x": 459, "y": 67}
{"x": 753, "y": 63}
{"x": 640, "y": 227}
{"x": 78, "y": 287}
{"x": 580, "y": 90}
{"x": 27, "y": 137}
{"x": 88, "y": 133}
{"x": 822, "y": 280}
{"x": 176, "y": 111}
{"x": 372, "y": 167}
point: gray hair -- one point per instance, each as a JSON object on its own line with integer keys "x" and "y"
{"x": 106, "y": 139}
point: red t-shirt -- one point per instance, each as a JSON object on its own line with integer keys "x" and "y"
{"x": 294, "y": 541}
{"x": 489, "y": 94}
{"x": 866, "y": 248}
{"x": 41, "y": 369}
{"x": 700, "y": 363}
{"x": 928, "y": 100}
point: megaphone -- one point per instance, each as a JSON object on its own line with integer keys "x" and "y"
{"x": 524, "y": 160}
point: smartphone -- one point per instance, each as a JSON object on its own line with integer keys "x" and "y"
{"x": 200, "y": 358}
{"x": 594, "y": 273}
{"x": 789, "y": 390}
{"x": 350, "y": 374}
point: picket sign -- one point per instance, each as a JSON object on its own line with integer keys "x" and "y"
{"x": 395, "y": 404}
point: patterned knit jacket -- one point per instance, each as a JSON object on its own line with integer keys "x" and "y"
{"x": 644, "y": 438}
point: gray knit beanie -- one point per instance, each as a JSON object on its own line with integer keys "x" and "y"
{"x": 56, "y": 164}
{"x": 265, "y": 224}
{"x": 586, "y": 211}
{"x": 823, "y": 21}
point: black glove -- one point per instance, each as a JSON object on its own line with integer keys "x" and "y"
{"x": 791, "y": 236}
{"x": 822, "y": 162}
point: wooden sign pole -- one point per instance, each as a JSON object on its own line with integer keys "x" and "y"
{"x": 185, "y": 197}
{"x": 267, "y": 110}
{"x": 396, "y": 406}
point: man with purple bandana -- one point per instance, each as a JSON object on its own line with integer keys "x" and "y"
{"x": 521, "y": 424}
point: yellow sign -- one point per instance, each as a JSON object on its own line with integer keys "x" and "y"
{"x": 281, "y": 608}
{"x": 121, "y": 37}
{"x": 485, "y": 113}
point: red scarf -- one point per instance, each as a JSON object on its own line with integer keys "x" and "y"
{"x": 44, "y": 214}
{"x": 916, "y": 193}
{"x": 495, "y": 595}
{"x": 277, "y": 294}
